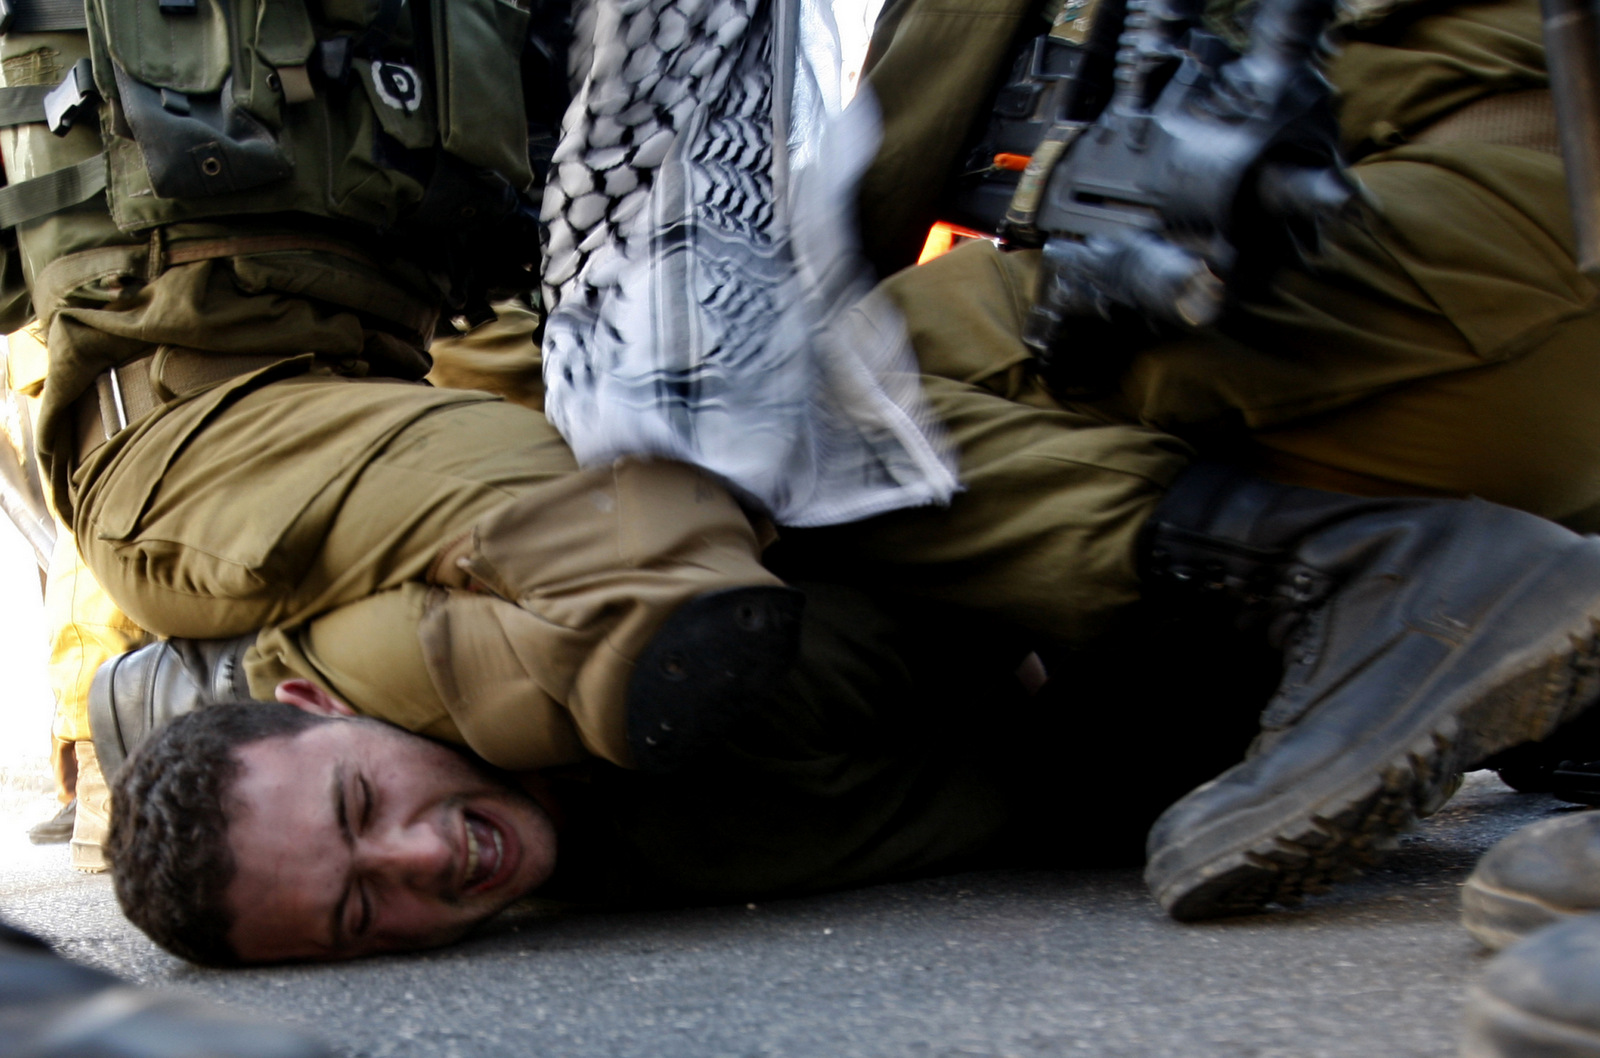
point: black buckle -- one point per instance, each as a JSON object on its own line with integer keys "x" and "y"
{"x": 65, "y": 103}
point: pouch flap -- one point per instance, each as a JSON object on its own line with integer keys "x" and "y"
{"x": 284, "y": 35}
{"x": 196, "y": 146}
{"x": 184, "y": 53}
{"x": 477, "y": 45}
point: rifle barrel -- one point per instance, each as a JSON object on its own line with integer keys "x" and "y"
{"x": 1572, "y": 46}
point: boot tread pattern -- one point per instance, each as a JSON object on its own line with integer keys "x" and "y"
{"x": 1312, "y": 853}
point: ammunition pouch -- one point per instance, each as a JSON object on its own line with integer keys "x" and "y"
{"x": 202, "y": 146}
{"x": 401, "y": 122}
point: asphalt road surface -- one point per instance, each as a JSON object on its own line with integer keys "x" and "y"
{"x": 1005, "y": 964}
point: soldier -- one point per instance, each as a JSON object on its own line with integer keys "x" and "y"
{"x": 1074, "y": 511}
{"x": 1432, "y": 348}
{"x": 245, "y": 235}
{"x": 1435, "y": 348}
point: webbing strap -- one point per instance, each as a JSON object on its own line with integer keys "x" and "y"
{"x": 23, "y": 105}
{"x": 48, "y": 16}
{"x": 52, "y": 192}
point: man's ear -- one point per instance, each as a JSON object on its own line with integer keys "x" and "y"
{"x": 303, "y": 694}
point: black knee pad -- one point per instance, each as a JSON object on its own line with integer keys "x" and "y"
{"x": 713, "y": 661}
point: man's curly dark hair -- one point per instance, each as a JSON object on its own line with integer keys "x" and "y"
{"x": 168, "y": 847}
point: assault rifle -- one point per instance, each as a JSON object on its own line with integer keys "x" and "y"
{"x": 1166, "y": 171}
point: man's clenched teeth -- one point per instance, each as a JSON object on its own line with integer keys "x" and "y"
{"x": 485, "y": 850}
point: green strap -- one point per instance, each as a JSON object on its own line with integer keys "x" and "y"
{"x": 23, "y": 105}
{"x": 52, "y": 192}
{"x": 48, "y": 16}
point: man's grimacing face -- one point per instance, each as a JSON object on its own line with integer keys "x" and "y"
{"x": 353, "y": 837}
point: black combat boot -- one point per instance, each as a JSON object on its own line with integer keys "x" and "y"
{"x": 134, "y": 693}
{"x": 1417, "y": 638}
{"x": 1544, "y": 873}
{"x": 51, "y": 1008}
{"x": 1539, "y": 998}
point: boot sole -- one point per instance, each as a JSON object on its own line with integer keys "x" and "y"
{"x": 1497, "y": 1029}
{"x": 1498, "y": 918}
{"x": 1339, "y": 820}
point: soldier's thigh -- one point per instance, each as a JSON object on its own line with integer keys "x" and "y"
{"x": 1523, "y": 432}
{"x": 1439, "y": 347}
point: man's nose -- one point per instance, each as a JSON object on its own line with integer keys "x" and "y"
{"x": 417, "y": 856}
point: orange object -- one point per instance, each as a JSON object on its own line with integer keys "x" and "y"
{"x": 944, "y": 237}
{"x": 1012, "y": 163}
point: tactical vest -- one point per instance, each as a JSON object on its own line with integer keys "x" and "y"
{"x": 397, "y": 125}
{"x": 298, "y": 176}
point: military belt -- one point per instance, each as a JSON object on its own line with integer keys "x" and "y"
{"x": 126, "y": 393}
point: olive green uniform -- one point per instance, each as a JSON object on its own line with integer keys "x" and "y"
{"x": 334, "y": 509}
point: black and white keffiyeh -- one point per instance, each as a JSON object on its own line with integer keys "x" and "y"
{"x": 707, "y": 300}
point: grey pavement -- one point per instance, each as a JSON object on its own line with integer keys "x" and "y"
{"x": 995, "y": 964}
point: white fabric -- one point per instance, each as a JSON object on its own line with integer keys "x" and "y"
{"x": 707, "y": 299}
